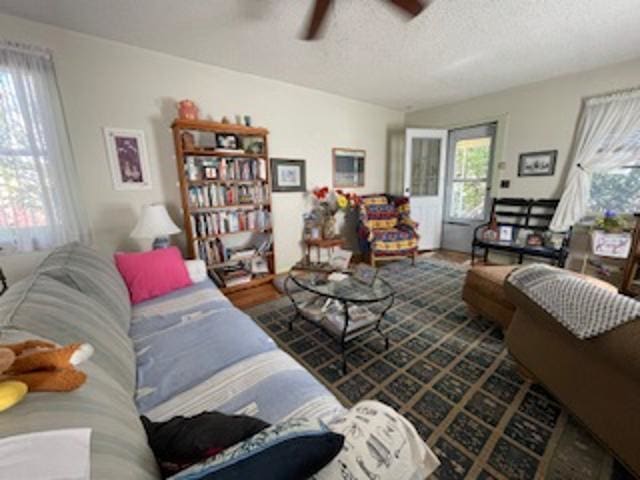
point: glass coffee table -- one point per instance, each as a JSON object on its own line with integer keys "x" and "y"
{"x": 344, "y": 309}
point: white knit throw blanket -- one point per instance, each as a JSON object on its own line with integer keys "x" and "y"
{"x": 584, "y": 308}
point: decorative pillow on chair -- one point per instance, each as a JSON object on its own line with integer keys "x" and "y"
{"x": 152, "y": 274}
{"x": 292, "y": 450}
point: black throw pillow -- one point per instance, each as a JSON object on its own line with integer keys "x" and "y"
{"x": 183, "y": 441}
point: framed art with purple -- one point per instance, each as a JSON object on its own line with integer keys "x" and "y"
{"x": 127, "y": 153}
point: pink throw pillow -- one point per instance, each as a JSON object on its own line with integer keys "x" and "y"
{"x": 152, "y": 274}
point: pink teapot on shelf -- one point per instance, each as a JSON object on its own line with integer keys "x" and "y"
{"x": 187, "y": 110}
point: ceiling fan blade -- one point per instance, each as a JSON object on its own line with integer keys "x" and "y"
{"x": 412, "y": 7}
{"x": 317, "y": 18}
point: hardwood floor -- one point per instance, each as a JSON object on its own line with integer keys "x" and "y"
{"x": 245, "y": 299}
{"x": 448, "y": 255}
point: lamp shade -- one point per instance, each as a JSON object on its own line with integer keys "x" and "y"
{"x": 154, "y": 222}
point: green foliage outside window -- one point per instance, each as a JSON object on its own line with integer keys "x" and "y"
{"x": 616, "y": 190}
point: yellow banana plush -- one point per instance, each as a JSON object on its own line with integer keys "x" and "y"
{"x": 11, "y": 392}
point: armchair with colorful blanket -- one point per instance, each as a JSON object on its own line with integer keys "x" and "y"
{"x": 385, "y": 228}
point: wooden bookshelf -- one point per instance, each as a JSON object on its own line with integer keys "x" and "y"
{"x": 217, "y": 198}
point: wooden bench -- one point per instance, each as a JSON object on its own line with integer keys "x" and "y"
{"x": 520, "y": 213}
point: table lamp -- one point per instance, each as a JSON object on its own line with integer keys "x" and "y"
{"x": 154, "y": 222}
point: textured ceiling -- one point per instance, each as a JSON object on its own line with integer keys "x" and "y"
{"x": 455, "y": 49}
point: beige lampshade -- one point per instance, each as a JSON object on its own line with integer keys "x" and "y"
{"x": 154, "y": 222}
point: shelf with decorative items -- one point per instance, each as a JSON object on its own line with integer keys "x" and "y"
{"x": 225, "y": 187}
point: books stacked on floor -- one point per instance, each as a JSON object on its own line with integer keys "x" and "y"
{"x": 217, "y": 223}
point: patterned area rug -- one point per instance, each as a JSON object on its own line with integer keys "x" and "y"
{"x": 452, "y": 377}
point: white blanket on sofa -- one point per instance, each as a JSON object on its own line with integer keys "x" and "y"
{"x": 584, "y": 308}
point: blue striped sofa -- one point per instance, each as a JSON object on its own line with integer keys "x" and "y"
{"x": 179, "y": 354}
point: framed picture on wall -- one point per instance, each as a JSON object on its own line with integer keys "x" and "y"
{"x": 348, "y": 167}
{"x": 537, "y": 164}
{"x": 127, "y": 154}
{"x": 288, "y": 175}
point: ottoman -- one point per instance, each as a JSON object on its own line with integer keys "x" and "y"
{"x": 485, "y": 296}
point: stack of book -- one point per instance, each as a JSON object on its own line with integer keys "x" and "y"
{"x": 231, "y": 275}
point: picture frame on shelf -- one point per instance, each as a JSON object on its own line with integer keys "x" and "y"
{"x": 348, "y": 167}
{"x": 226, "y": 141}
{"x": 505, "y": 233}
{"x": 128, "y": 159}
{"x": 288, "y": 175}
{"x": 614, "y": 245}
{"x": 537, "y": 164}
{"x": 253, "y": 145}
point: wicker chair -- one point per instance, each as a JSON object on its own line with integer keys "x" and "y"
{"x": 385, "y": 228}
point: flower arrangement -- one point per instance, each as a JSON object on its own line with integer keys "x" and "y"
{"x": 327, "y": 203}
{"x": 611, "y": 222}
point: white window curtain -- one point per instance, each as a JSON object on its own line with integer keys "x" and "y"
{"x": 608, "y": 137}
{"x": 39, "y": 203}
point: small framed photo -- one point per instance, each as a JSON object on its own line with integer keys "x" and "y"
{"x": 535, "y": 240}
{"x": 288, "y": 175}
{"x": 348, "y": 167}
{"x": 365, "y": 274}
{"x": 537, "y": 164}
{"x": 226, "y": 141}
{"x": 127, "y": 154}
{"x": 506, "y": 233}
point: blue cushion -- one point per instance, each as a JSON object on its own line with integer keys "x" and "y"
{"x": 293, "y": 449}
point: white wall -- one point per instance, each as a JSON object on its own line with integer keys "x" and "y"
{"x": 104, "y": 83}
{"x": 539, "y": 116}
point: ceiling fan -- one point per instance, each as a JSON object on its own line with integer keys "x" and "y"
{"x": 410, "y": 7}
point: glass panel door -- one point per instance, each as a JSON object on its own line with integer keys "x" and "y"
{"x": 425, "y": 166}
{"x": 425, "y": 163}
{"x": 472, "y": 159}
{"x": 469, "y": 167}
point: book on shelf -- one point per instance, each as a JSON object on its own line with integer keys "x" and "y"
{"x": 216, "y": 195}
{"x": 240, "y": 169}
{"x": 231, "y": 274}
{"x": 237, "y": 278}
{"x": 223, "y": 222}
{"x": 214, "y": 252}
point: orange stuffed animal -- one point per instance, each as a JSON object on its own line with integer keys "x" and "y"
{"x": 43, "y": 367}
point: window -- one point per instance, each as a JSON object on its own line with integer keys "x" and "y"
{"x": 469, "y": 179}
{"x": 617, "y": 189}
{"x": 38, "y": 203}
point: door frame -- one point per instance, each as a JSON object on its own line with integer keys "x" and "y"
{"x": 433, "y": 133}
{"x": 474, "y": 131}
{"x": 450, "y": 165}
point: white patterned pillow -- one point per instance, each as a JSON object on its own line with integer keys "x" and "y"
{"x": 379, "y": 443}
